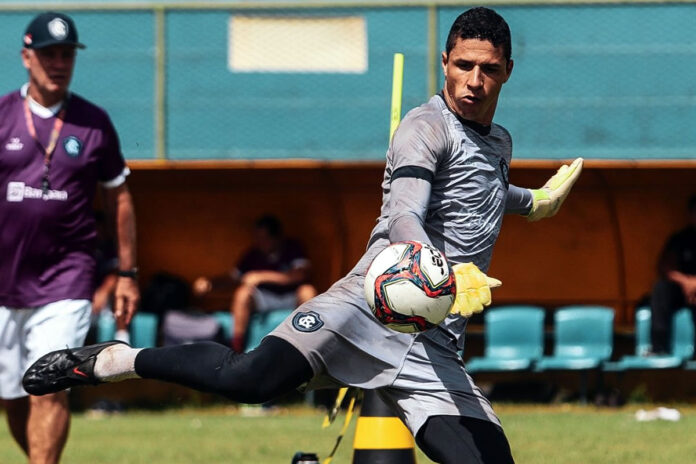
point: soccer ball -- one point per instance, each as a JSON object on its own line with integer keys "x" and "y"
{"x": 410, "y": 287}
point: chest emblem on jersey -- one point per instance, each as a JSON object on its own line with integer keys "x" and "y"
{"x": 14, "y": 144}
{"x": 307, "y": 321}
{"x": 504, "y": 173}
{"x": 72, "y": 146}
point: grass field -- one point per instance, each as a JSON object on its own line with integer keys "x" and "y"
{"x": 538, "y": 434}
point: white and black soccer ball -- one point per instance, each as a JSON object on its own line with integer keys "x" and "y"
{"x": 410, "y": 287}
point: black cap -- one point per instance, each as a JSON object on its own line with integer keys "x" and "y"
{"x": 51, "y": 29}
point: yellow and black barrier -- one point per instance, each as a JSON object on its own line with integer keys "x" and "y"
{"x": 380, "y": 436}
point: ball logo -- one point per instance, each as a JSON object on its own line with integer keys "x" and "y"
{"x": 72, "y": 146}
{"x": 58, "y": 29}
{"x": 307, "y": 321}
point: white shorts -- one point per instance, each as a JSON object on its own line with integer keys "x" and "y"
{"x": 28, "y": 334}
{"x": 266, "y": 301}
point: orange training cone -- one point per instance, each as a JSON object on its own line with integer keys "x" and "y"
{"x": 380, "y": 436}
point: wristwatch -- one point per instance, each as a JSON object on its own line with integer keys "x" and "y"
{"x": 131, "y": 273}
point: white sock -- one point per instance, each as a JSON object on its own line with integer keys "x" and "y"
{"x": 122, "y": 335}
{"x": 116, "y": 363}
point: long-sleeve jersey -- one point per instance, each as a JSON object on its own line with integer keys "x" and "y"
{"x": 446, "y": 183}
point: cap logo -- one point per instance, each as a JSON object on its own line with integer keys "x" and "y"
{"x": 58, "y": 28}
{"x": 27, "y": 39}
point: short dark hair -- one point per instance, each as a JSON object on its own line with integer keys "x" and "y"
{"x": 484, "y": 24}
{"x": 270, "y": 224}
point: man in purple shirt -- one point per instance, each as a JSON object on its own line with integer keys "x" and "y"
{"x": 55, "y": 149}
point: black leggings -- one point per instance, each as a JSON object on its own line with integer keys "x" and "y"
{"x": 272, "y": 369}
{"x": 463, "y": 440}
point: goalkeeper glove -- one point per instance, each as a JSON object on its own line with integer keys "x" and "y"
{"x": 548, "y": 199}
{"x": 473, "y": 289}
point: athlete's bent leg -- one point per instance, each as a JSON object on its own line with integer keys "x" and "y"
{"x": 274, "y": 368}
{"x": 457, "y": 440}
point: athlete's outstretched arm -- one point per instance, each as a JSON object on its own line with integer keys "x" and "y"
{"x": 408, "y": 204}
{"x": 413, "y": 157}
{"x": 518, "y": 201}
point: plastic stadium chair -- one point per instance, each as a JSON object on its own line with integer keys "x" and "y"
{"x": 106, "y": 328}
{"x": 261, "y": 325}
{"x": 143, "y": 330}
{"x": 682, "y": 344}
{"x": 514, "y": 339}
{"x": 583, "y": 338}
{"x": 583, "y": 341}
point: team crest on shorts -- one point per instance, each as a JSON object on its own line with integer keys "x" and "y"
{"x": 72, "y": 146}
{"x": 307, "y": 321}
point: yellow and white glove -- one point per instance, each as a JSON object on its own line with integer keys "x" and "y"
{"x": 549, "y": 198}
{"x": 473, "y": 289}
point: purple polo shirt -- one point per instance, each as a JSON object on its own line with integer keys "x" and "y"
{"x": 47, "y": 242}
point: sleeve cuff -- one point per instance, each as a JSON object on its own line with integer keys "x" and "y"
{"x": 118, "y": 180}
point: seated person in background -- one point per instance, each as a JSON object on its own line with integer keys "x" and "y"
{"x": 271, "y": 275}
{"x": 676, "y": 284}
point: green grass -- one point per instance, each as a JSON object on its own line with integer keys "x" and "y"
{"x": 538, "y": 434}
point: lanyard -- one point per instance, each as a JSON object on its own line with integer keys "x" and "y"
{"x": 53, "y": 140}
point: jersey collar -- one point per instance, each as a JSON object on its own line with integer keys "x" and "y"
{"x": 478, "y": 128}
{"x": 38, "y": 109}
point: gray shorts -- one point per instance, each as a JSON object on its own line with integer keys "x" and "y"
{"x": 421, "y": 374}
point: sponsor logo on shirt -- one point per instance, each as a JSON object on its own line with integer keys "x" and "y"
{"x": 72, "y": 146}
{"x": 14, "y": 144}
{"x": 307, "y": 321}
{"x": 19, "y": 191}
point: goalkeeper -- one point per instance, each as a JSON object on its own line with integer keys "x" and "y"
{"x": 445, "y": 183}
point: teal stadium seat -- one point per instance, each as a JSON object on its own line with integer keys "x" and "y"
{"x": 682, "y": 344}
{"x": 514, "y": 339}
{"x": 143, "y": 329}
{"x": 583, "y": 341}
{"x": 106, "y": 327}
{"x": 261, "y": 325}
{"x": 583, "y": 338}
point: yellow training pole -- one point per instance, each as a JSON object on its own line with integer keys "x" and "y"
{"x": 397, "y": 91}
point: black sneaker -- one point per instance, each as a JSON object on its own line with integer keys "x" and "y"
{"x": 63, "y": 369}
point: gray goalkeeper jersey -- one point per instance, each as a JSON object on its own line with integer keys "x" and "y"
{"x": 446, "y": 183}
